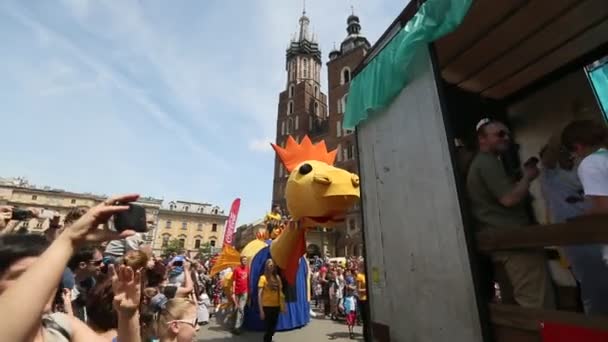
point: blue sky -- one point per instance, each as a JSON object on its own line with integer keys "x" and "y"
{"x": 171, "y": 99}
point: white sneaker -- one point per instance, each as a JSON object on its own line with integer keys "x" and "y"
{"x": 312, "y": 314}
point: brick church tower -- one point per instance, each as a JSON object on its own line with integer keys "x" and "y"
{"x": 341, "y": 64}
{"x": 302, "y": 106}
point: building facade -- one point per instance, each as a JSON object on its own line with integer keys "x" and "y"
{"x": 28, "y": 196}
{"x": 247, "y": 233}
{"x": 19, "y": 193}
{"x": 193, "y": 224}
{"x": 304, "y": 110}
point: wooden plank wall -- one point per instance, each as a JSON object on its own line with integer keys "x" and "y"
{"x": 417, "y": 261}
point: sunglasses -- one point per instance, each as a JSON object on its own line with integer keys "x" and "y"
{"x": 193, "y": 323}
{"x": 96, "y": 262}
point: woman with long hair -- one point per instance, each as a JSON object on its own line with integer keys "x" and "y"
{"x": 177, "y": 322}
{"x": 270, "y": 298}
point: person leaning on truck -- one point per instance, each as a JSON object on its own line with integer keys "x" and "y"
{"x": 499, "y": 202}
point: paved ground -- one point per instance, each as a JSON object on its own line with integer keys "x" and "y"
{"x": 317, "y": 330}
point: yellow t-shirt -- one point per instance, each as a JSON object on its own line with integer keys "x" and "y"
{"x": 271, "y": 296}
{"x": 361, "y": 285}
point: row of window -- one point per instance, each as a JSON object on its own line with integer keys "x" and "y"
{"x": 308, "y": 69}
{"x": 290, "y": 107}
{"x": 186, "y": 208}
{"x": 182, "y": 242}
{"x": 292, "y": 89}
{"x": 185, "y": 226}
{"x": 35, "y": 197}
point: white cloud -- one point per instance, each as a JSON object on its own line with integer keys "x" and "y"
{"x": 136, "y": 93}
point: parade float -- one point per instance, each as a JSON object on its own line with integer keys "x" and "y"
{"x": 317, "y": 194}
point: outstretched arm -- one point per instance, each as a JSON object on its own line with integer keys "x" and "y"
{"x": 36, "y": 285}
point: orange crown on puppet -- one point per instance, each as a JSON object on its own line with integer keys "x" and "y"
{"x": 294, "y": 154}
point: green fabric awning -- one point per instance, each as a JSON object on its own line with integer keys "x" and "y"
{"x": 377, "y": 85}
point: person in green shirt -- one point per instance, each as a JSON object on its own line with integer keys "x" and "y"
{"x": 498, "y": 202}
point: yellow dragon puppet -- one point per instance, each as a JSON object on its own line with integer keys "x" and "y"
{"x": 317, "y": 194}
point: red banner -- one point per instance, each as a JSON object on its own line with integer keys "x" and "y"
{"x": 555, "y": 332}
{"x": 231, "y": 222}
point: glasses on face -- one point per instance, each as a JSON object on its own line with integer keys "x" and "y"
{"x": 193, "y": 323}
{"x": 96, "y": 262}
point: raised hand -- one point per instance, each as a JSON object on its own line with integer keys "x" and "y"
{"x": 126, "y": 285}
{"x": 86, "y": 228}
{"x": 6, "y": 213}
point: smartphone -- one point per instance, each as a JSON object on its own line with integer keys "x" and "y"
{"x": 21, "y": 214}
{"x": 133, "y": 219}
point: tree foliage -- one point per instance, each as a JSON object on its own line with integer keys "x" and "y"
{"x": 205, "y": 249}
{"x": 173, "y": 246}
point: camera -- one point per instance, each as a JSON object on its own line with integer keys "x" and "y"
{"x": 134, "y": 219}
{"x": 20, "y": 214}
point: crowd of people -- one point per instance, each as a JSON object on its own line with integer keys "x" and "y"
{"x": 339, "y": 290}
{"x": 85, "y": 281}
{"x": 573, "y": 177}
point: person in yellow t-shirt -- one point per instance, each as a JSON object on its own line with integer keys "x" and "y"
{"x": 273, "y": 219}
{"x": 269, "y": 298}
{"x": 362, "y": 301}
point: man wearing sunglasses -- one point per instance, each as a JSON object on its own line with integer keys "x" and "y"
{"x": 84, "y": 266}
{"x": 499, "y": 202}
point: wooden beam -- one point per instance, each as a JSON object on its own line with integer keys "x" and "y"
{"x": 584, "y": 230}
{"x": 528, "y": 319}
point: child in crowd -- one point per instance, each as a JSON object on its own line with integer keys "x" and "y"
{"x": 350, "y": 305}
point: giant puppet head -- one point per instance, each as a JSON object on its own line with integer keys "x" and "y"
{"x": 316, "y": 190}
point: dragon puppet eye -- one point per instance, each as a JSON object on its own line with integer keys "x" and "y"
{"x": 305, "y": 169}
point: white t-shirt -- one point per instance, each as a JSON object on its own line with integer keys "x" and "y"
{"x": 593, "y": 173}
{"x": 118, "y": 248}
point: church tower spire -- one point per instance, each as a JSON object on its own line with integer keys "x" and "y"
{"x": 304, "y": 23}
{"x": 303, "y": 57}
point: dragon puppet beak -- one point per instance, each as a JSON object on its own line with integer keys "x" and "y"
{"x": 338, "y": 182}
{"x": 287, "y": 250}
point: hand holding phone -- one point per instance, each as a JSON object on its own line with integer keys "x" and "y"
{"x": 132, "y": 219}
{"x": 6, "y": 212}
{"x": 20, "y": 214}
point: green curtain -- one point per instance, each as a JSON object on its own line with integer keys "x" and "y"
{"x": 599, "y": 81}
{"x": 377, "y": 85}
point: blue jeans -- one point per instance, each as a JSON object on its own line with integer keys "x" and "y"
{"x": 592, "y": 273}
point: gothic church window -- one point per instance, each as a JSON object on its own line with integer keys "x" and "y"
{"x": 290, "y": 108}
{"x": 345, "y": 75}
